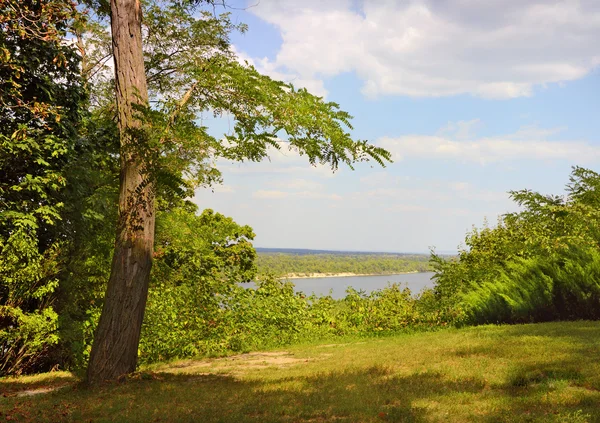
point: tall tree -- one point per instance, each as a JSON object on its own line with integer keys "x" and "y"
{"x": 183, "y": 58}
{"x": 114, "y": 351}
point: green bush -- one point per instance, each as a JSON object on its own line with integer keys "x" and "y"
{"x": 564, "y": 286}
{"x": 540, "y": 264}
{"x": 214, "y": 318}
{"x": 25, "y": 338}
{"x": 217, "y": 318}
{"x": 28, "y": 323}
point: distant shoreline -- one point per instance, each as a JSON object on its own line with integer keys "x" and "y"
{"x": 343, "y": 274}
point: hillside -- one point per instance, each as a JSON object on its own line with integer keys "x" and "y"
{"x": 523, "y": 373}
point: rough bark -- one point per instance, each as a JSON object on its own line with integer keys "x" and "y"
{"x": 114, "y": 351}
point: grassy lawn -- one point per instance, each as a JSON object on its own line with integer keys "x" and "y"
{"x": 528, "y": 373}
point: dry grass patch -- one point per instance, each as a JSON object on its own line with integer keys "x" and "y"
{"x": 235, "y": 364}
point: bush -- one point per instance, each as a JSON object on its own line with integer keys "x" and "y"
{"x": 564, "y": 286}
{"x": 214, "y": 318}
{"x": 28, "y": 323}
{"x": 25, "y": 339}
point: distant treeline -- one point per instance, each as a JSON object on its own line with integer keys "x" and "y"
{"x": 306, "y": 251}
{"x": 386, "y": 264}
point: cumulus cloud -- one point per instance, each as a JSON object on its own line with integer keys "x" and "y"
{"x": 267, "y": 67}
{"x": 461, "y": 130}
{"x": 529, "y": 143}
{"x": 423, "y": 48}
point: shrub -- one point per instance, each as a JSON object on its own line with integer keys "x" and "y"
{"x": 28, "y": 323}
{"x": 565, "y": 286}
{"x": 216, "y": 318}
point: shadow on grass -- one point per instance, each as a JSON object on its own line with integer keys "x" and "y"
{"x": 559, "y": 388}
{"x": 371, "y": 395}
{"x": 45, "y": 382}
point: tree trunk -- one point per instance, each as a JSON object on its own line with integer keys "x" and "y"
{"x": 114, "y": 351}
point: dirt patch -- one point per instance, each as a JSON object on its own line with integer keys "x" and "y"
{"x": 189, "y": 363}
{"x": 239, "y": 363}
{"x": 38, "y": 391}
{"x": 268, "y": 358}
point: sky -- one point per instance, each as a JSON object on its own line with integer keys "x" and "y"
{"x": 472, "y": 98}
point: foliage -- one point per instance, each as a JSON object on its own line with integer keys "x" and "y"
{"x": 88, "y": 223}
{"x": 192, "y": 72}
{"x": 60, "y": 175}
{"x": 209, "y": 317}
{"x": 541, "y": 289}
{"x": 209, "y": 245}
{"x": 197, "y": 256}
{"x": 538, "y": 264}
{"x": 27, "y": 321}
{"x": 361, "y": 264}
{"x": 199, "y": 262}
{"x": 190, "y": 69}
{"x": 41, "y": 97}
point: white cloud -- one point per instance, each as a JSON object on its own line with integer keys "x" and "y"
{"x": 383, "y": 178}
{"x": 285, "y": 160}
{"x": 270, "y": 194}
{"x": 318, "y": 195}
{"x": 529, "y": 143}
{"x": 461, "y": 130}
{"x": 460, "y": 186}
{"x": 423, "y": 48}
{"x": 406, "y": 193}
{"x": 269, "y": 68}
{"x": 277, "y": 195}
{"x": 226, "y": 189}
{"x": 428, "y": 191}
{"x": 299, "y": 184}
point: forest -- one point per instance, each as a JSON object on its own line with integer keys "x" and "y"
{"x": 107, "y": 266}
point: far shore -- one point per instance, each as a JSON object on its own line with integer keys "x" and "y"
{"x": 343, "y": 275}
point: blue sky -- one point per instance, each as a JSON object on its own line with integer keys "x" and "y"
{"x": 473, "y": 99}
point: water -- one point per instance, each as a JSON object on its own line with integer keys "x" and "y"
{"x": 321, "y": 286}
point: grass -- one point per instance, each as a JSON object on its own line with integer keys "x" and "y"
{"x": 526, "y": 373}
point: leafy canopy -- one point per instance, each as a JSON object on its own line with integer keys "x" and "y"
{"x": 193, "y": 72}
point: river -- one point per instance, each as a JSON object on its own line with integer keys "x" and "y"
{"x": 321, "y": 286}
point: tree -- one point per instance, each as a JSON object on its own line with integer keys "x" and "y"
{"x": 187, "y": 65}
{"x": 41, "y": 96}
{"x": 114, "y": 350}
